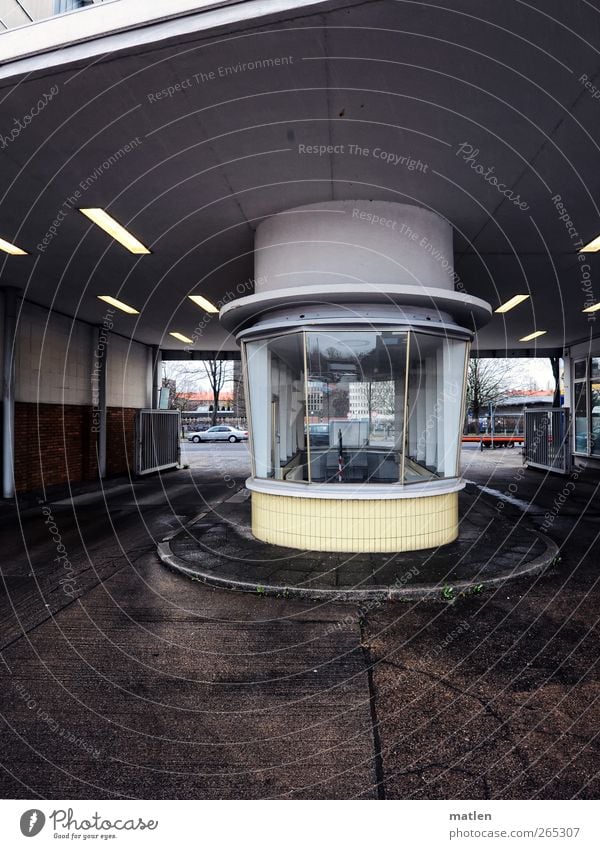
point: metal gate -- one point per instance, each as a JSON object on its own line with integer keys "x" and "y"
{"x": 157, "y": 440}
{"x": 547, "y": 442}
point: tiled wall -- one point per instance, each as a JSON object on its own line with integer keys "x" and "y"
{"x": 53, "y": 356}
{"x": 127, "y": 374}
{"x": 55, "y": 438}
{"x": 402, "y": 524}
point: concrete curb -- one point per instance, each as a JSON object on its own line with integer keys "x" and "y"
{"x": 416, "y": 592}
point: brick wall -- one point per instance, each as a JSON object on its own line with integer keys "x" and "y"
{"x": 55, "y": 444}
{"x": 120, "y": 440}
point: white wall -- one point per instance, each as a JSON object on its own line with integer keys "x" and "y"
{"x": 354, "y": 243}
{"x": 53, "y": 358}
{"x": 127, "y": 374}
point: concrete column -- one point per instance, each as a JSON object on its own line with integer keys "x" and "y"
{"x": 567, "y": 365}
{"x": 9, "y": 298}
{"x": 99, "y": 371}
{"x": 155, "y": 371}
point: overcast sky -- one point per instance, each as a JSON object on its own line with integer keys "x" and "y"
{"x": 191, "y": 377}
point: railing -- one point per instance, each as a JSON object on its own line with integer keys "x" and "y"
{"x": 157, "y": 440}
{"x": 547, "y": 443}
{"x": 17, "y": 13}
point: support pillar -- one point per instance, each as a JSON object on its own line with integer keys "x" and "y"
{"x": 156, "y": 367}
{"x": 9, "y": 298}
{"x": 101, "y": 356}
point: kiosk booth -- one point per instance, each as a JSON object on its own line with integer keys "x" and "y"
{"x": 355, "y": 349}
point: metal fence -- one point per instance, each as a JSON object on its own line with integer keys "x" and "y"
{"x": 547, "y": 440}
{"x": 157, "y": 440}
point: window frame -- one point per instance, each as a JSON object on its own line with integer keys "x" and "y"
{"x": 457, "y": 335}
{"x": 586, "y": 380}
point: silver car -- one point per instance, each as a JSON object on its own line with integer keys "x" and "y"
{"x": 219, "y": 433}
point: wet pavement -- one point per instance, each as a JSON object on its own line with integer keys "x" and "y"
{"x": 218, "y": 548}
{"x": 133, "y": 681}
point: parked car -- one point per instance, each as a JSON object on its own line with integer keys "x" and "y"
{"x": 218, "y": 433}
{"x": 319, "y": 435}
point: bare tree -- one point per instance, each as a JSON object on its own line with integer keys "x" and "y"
{"x": 217, "y": 373}
{"x": 180, "y": 378}
{"x": 239, "y": 394}
{"x": 555, "y": 364}
{"x": 488, "y": 381}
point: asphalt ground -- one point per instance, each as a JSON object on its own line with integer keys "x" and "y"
{"x": 121, "y": 679}
{"x": 219, "y": 549}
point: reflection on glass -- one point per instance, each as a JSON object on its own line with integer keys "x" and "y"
{"x": 276, "y": 387}
{"x": 595, "y": 418}
{"x": 356, "y": 416}
{"x": 581, "y": 426}
{"x": 356, "y": 405}
{"x": 435, "y": 406}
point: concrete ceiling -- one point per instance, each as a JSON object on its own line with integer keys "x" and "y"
{"x": 410, "y": 78}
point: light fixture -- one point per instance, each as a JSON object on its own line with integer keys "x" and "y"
{"x": 13, "y": 250}
{"x": 119, "y": 304}
{"x": 116, "y": 230}
{"x": 591, "y": 247}
{"x": 181, "y": 337}
{"x": 511, "y": 303}
{"x": 203, "y": 303}
{"x": 533, "y": 335}
{"x": 593, "y": 308}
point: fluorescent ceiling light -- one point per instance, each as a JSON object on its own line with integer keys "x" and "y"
{"x": 114, "y": 229}
{"x": 512, "y": 303}
{"x": 591, "y": 247}
{"x": 13, "y": 250}
{"x": 593, "y": 308}
{"x": 182, "y": 338}
{"x": 203, "y": 303}
{"x": 119, "y": 304}
{"x": 533, "y": 335}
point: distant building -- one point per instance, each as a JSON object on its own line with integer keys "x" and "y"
{"x": 508, "y": 411}
{"x": 517, "y": 399}
{"x": 202, "y": 402}
{"x": 359, "y": 400}
{"x": 315, "y": 399}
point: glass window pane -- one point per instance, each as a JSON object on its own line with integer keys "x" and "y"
{"x": 435, "y": 407}
{"x": 595, "y": 418}
{"x": 581, "y": 423}
{"x": 356, "y": 404}
{"x": 595, "y": 367}
{"x": 276, "y": 387}
{"x": 580, "y": 369}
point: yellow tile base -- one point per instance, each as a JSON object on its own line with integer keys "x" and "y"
{"x": 402, "y": 524}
